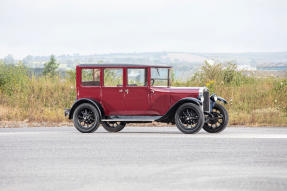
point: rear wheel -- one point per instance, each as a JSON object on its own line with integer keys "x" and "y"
{"x": 113, "y": 126}
{"x": 218, "y": 121}
{"x": 189, "y": 118}
{"x": 86, "y": 118}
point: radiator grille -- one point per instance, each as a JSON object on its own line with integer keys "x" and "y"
{"x": 206, "y": 100}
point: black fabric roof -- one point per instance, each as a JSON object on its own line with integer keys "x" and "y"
{"x": 122, "y": 65}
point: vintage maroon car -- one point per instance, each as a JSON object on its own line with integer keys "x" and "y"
{"x": 116, "y": 94}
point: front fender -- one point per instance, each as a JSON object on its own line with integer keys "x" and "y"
{"x": 222, "y": 100}
{"x": 185, "y": 100}
{"x": 214, "y": 98}
{"x": 170, "y": 113}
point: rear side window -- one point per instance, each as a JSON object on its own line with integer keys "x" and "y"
{"x": 90, "y": 77}
{"x": 113, "y": 77}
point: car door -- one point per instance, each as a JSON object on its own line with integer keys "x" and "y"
{"x": 89, "y": 83}
{"x": 136, "y": 91}
{"x": 113, "y": 91}
{"x": 160, "y": 93}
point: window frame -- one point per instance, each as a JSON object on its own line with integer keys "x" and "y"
{"x": 103, "y": 77}
{"x": 168, "y": 77}
{"x": 90, "y": 68}
{"x": 145, "y": 76}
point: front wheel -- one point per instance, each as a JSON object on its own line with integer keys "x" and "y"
{"x": 113, "y": 126}
{"x": 86, "y": 118}
{"x": 218, "y": 121}
{"x": 189, "y": 118}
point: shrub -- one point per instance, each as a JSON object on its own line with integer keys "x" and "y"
{"x": 13, "y": 79}
{"x": 252, "y": 101}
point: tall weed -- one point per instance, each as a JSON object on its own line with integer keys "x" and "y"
{"x": 252, "y": 101}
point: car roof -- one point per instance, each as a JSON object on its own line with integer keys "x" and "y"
{"x": 122, "y": 65}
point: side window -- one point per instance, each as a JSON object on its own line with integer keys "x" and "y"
{"x": 137, "y": 77}
{"x": 159, "y": 77}
{"x": 113, "y": 77}
{"x": 90, "y": 77}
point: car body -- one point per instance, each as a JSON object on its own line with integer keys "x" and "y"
{"x": 129, "y": 93}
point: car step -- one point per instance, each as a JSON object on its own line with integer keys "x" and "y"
{"x": 132, "y": 118}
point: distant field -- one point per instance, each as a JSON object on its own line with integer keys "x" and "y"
{"x": 185, "y": 63}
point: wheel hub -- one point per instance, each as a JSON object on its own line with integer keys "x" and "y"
{"x": 188, "y": 117}
{"x": 215, "y": 118}
{"x": 86, "y": 116}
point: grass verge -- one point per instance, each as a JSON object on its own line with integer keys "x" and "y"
{"x": 252, "y": 101}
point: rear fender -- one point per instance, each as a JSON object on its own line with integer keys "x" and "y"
{"x": 86, "y": 100}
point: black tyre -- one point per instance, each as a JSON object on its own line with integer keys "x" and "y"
{"x": 219, "y": 121}
{"x": 86, "y": 118}
{"x": 113, "y": 126}
{"x": 189, "y": 118}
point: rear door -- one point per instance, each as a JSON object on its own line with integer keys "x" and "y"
{"x": 88, "y": 84}
{"x": 137, "y": 91}
{"x": 113, "y": 91}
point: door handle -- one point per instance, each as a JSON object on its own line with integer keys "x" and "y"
{"x": 120, "y": 90}
{"x": 127, "y": 91}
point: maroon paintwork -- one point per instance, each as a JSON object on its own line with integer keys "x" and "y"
{"x": 128, "y": 100}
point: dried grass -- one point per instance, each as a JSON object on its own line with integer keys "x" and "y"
{"x": 252, "y": 101}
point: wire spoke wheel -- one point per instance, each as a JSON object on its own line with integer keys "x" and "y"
{"x": 86, "y": 118}
{"x": 218, "y": 119}
{"x": 113, "y": 126}
{"x": 189, "y": 118}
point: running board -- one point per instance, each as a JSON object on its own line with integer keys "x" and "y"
{"x": 131, "y": 118}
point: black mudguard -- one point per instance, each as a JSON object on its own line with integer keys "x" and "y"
{"x": 222, "y": 100}
{"x": 212, "y": 102}
{"x": 170, "y": 114}
{"x": 85, "y": 100}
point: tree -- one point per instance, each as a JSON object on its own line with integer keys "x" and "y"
{"x": 9, "y": 59}
{"x": 50, "y": 67}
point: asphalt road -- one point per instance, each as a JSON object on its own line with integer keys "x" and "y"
{"x": 142, "y": 158}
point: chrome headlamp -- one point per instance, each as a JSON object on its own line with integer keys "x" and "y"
{"x": 213, "y": 97}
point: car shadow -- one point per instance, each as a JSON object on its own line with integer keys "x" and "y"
{"x": 150, "y": 132}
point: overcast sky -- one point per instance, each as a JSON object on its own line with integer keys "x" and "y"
{"x": 36, "y": 27}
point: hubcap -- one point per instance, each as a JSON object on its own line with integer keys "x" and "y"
{"x": 86, "y": 118}
{"x": 113, "y": 124}
{"x": 217, "y": 119}
{"x": 189, "y": 118}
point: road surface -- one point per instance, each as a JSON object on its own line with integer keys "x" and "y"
{"x": 142, "y": 158}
